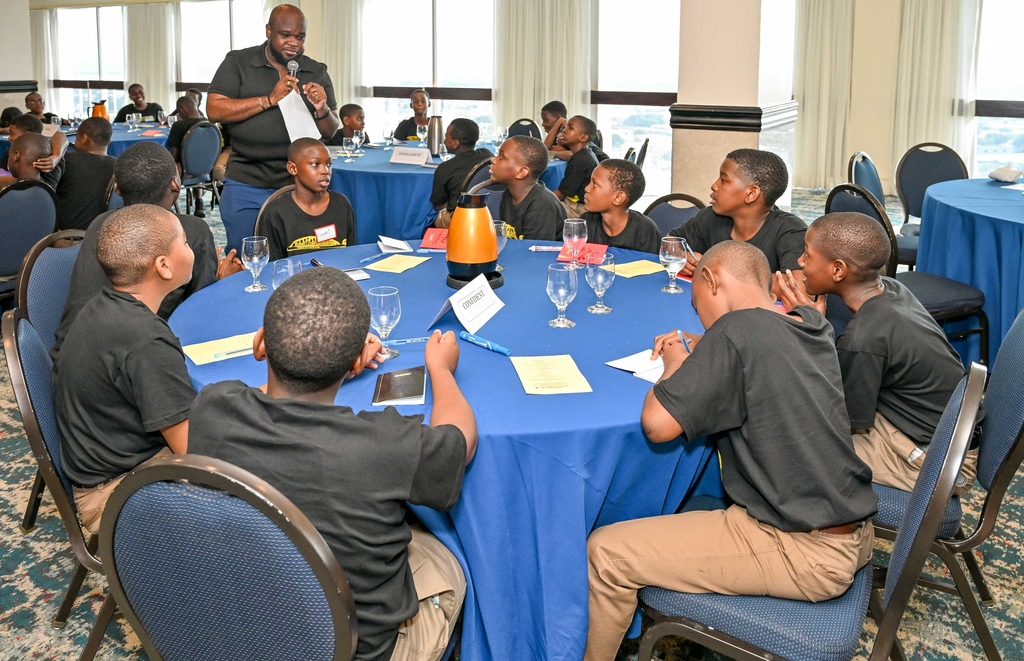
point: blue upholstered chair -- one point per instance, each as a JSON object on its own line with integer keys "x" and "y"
{"x": 209, "y": 562}
{"x": 525, "y": 126}
{"x": 862, "y": 171}
{"x": 113, "y": 199}
{"x": 199, "y": 151}
{"x": 759, "y": 628}
{"x": 668, "y": 216}
{"x": 923, "y": 165}
{"x": 630, "y": 155}
{"x": 1000, "y": 455}
{"x": 28, "y": 212}
{"x": 43, "y": 284}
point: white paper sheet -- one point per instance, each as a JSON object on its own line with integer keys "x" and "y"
{"x": 641, "y": 365}
{"x": 297, "y": 119}
{"x": 388, "y": 245}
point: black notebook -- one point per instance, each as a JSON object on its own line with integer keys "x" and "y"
{"x": 401, "y": 387}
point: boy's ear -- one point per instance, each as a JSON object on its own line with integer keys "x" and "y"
{"x": 292, "y": 168}
{"x": 163, "y": 267}
{"x": 710, "y": 279}
{"x": 523, "y": 172}
{"x": 753, "y": 194}
{"x": 259, "y": 346}
{"x": 620, "y": 199}
{"x": 840, "y": 270}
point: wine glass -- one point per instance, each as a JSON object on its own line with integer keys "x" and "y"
{"x": 389, "y": 138}
{"x": 171, "y": 119}
{"x": 347, "y": 145}
{"x": 284, "y": 269}
{"x": 562, "y": 287}
{"x": 442, "y": 153}
{"x": 385, "y": 311}
{"x": 358, "y": 138}
{"x": 255, "y": 255}
{"x": 501, "y": 232}
{"x": 600, "y": 276}
{"x": 673, "y": 258}
{"x": 421, "y": 133}
{"x": 161, "y": 117}
{"x": 502, "y": 134}
{"x": 133, "y": 121}
{"x": 574, "y": 233}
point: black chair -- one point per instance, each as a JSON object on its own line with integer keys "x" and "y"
{"x": 668, "y": 216}
{"x": 28, "y": 213}
{"x": 944, "y": 298}
{"x": 258, "y": 228}
{"x": 923, "y": 165}
{"x": 599, "y": 140}
{"x": 1000, "y": 453}
{"x": 208, "y": 562}
{"x": 760, "y": 628}
{"x": 199, "y": 151}
{"x": 525, "y": 126}
{"x": 112, "y": 200}
{"x": 641, "y": 155}
{"x": 630, "y": 155}
{"x": 43, "y": 284}
{"x": 29, "y": 366}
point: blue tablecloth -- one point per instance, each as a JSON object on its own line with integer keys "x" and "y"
{"x": 973, "y": 231}
{"x": 119, "y": 141}
{"x": 393, "y": 199}
{"x": 548, "y": 469}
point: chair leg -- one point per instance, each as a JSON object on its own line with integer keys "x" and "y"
{"x": 971, "y": 604}
{"x": 876, "y": 611}
{"x": 975, "y": 570}
{"x": 60, "y": 620}
{"x": 35, "y": 498}
{"x": 99, "y": 629}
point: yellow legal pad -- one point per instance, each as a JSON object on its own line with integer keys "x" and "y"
{"x": 550, "y": 375}
{"x": 639, "y": 267}
{"x": 222, "y": 349}
{"x": 396, "y": 263}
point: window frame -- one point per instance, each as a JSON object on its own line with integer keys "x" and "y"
{"x": 99, "y": 84}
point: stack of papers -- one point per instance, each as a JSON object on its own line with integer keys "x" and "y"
{"x": 550, "y": 375}
{"x": 396, "y": 263}
{"x": 388, "y": 245}
{"x": 222, "y": 349}
{"x": 639, "y": 267}
{"x": 641, "y": 365}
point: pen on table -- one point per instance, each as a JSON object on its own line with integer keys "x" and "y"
{"x": 545, "y": 248}
{"x": 408, "y": 340}
{"x": 370, "y": 258}
{"x": 233, "y": 352}
{"x": 486, "y": 344}
{"x": 686, "y": 343}
{"x": 431, "y": 250}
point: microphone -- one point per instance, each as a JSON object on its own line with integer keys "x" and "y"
{"x": 293, "y": 68}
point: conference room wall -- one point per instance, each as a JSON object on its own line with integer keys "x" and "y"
{"x": 15, "y": 49}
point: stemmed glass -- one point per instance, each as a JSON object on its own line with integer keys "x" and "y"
{"x": 385, "y": 311}
{"x": 55, "y": 120}
{"x": 161, "y": 117}
{"x": 133, "y": 119}
{"x": 600, "y": 276}
{"x": 442, "y": 153}
{"x": 284, "y": 269}
{"x": 389, "y": 138}
{"x": 562, "y": 287}
{"x": 421, "y": 133}
{"x": 358, "y": 138}
{"x": 347, "y": 145}
{"x": 574, "y": 233}
{"x": 171, "y": 119}
{"x": 502, "y": 134}
{"x": 255, "y": 255}
{"x": 673, "y": 258}
{"x": 74, "y": 121}
{"x": 501, "y": 233}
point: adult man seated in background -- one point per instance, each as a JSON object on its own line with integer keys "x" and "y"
{"x": 188, "y": 116}
{"x": 88, "y": 170}
{"x": 51, "y": 167}
{"x": 138, "y": 96}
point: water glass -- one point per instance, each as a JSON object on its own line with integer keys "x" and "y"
{"x": 562, "y": 287}
{"x": 385, "y": 311}
{"x": 358, "y": 138}
{"x": 673, "y": 258}
{"x": 161, "y": 117}
{"x": 600, "y": 276}
{"x": 501, "y": 233}
{"x": 284, "y": 269}
{"x": 389, "y": 138}
{"x": 171, "y": 119}
{"x": 421, "y": 133}
{"x": 442, "y": 153}
{"x": 55, "y": 120}
{"x": 255, "y": 255}
{"x": 574, "y": 233}
{"x": 347, "y": 145}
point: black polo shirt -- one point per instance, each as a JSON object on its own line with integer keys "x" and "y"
{"x": 82, "y": 190}
{"x": 260, "y": 144}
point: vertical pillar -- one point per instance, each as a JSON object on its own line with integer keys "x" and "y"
{"x": 16, "y": 78}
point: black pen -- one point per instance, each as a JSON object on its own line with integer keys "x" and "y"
{"x": 315, "y": 262}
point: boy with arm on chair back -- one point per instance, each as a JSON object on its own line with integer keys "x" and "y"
{"x": 576, "y": 137}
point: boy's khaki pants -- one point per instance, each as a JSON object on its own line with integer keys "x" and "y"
{"x": 91, "y": 501}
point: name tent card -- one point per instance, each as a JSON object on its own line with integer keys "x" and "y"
{"x": 410, "y": 155}
{"x": 389, "y": 245}
{"x": 474, "y": 305}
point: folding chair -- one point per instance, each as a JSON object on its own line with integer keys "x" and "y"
{"x": 921, "y": 166}
{"x": 199, "y": 151}
{"x": 524, "y": 126}
{"x": 28, "y": 212}
{"x": 258, "y": 228}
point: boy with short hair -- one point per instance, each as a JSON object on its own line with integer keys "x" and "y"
{"x": 616, "y": 185}
{"x": 899, "y": 370}
{"x": 352, "y": 119}
{"x": 576, "y": 137}
{"x": 138, "y": 96}
{"x": 459, "y": 139}
{"x": 552, "y": 120}
{"x": 121, "y": 391}
{"x": 26, "y": 149}
{"x": 527, "y": 206}
{"x": 799, "y": 526}
{"x": 352, "y": 473}
{"x": 88, "y": 170}
{"x": 419, "y": 101}
{"x": 310, "y": 217}
{"x": 50, "y": 166}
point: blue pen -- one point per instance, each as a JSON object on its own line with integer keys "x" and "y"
{"x": 410, "y": 340}
{"x": 370, "y": 258}
{"x": 686, "y": 344}
{"x": 486, "y": 344}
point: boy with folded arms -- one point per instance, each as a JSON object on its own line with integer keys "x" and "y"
{"x": 576, "y": 137}
{"x": 352, "y": 473}
{"x": 615, "y": 185}
{"x": 768, "y": 387}
{"x": 527, "y": 207}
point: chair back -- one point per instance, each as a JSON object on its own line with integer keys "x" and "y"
{"x": 45, "y": 279}
{"x": 630, "y": 155}
{"x": 28, "y": 363}
{"x": 28, "y": 212}
{"x": 112, "y": 200}
{"x": 199, "y": 151}
{"x": 923, "y": 165}
{"x": 208, "y": 561}
{"x": 862, "y": 172}
{"x": 641, "y": 155}
{"x": 480, "y": 173}
{"x": 928, "y": 502}
{"x": 258, "y": 228}
{"x": 1004, "y": 410}
{"x": 668, "y": 216}
{"x": 855, "y": 198}
{"x": 524, "y": 126}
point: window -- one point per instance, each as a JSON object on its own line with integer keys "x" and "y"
{"x": 204, "y": 40}
{"x": 90, "y": 48}
{"x": 1000, "y": 139}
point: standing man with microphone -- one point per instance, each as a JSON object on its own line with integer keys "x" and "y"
{"x": 244, "y": 95}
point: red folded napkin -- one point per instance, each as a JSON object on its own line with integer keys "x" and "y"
{"x": 435, "y": 239}
{"x": 588, "y": 254}
{"x": 152, "y": 132}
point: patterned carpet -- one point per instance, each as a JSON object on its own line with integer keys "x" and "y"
{"x": 36, "y": 567}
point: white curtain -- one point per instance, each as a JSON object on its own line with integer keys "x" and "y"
{"x": 343, "y": 48}
{"x": 542, "y": 52}
{"x": 821, "y": 82}
{"x": 151, "y": 51}
{"x": 44, "y": 51}
{"x": 935, "y": 84}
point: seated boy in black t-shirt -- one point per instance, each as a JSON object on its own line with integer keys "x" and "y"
{"x": 899, "y": 370}
{"x": 459, "y": 139}
{"x": 82, "y": 190}
{"x": 576, "y": 137}
{"x": 615, "y": 185}
{"x": 120, "y": 387}
{"x": 310, "y": 217}
{"x": 527, "y": 207}
{"x": 768, "y": 388}
{"x": 552, "y": 120}
{"x": 351, "y": 473}
{"x": 352, "y": 119}
{"x": 50, "y": 166}
{"x": 419, "y": 101}
{"x": 25, "y": 150}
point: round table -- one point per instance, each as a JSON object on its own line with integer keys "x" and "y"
{"x": 393, "y": 199}
{"x": 119, "y": 141}
{"x": 972, "y": 230}
{"x": 548, "y": 469}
